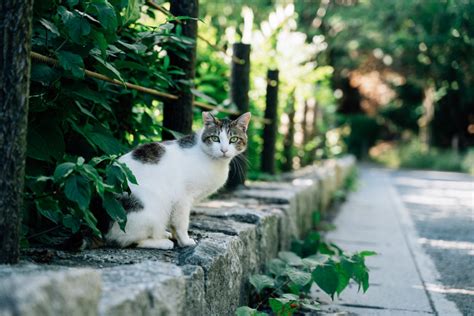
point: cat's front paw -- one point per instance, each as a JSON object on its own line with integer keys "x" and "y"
{"x": 187, "y": 242}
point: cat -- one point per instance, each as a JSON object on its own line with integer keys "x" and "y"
{"x": 171, "y": 176}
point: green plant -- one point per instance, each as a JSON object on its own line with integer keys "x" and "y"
{"x": 78, "y": 126}
{"x": 285, "y": 288}
{"x": 414, "y": 155}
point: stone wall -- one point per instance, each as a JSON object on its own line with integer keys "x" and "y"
{"x": 236, "y": 233}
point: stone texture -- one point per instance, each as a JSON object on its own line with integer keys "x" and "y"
{"x": 236, "y": 235}
{"x": 31, "y": 290}
{"x": 148, "y": 288}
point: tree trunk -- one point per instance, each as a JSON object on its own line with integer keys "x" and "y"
{"x": 15, "y": 46}
{"x": 239, "y": 90}
{"x": 178, "y": 114}
{"x": 288, "y": 142}
{"x": 270, "y": 130}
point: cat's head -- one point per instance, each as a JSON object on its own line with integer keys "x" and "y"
{"x": 224, "y": 138}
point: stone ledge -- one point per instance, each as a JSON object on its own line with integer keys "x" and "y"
{"x": 236, "y": 236}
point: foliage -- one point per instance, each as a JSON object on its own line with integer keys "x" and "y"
{"x": 414, "y": 155}
{"x": 364, "y": 131}
{"x": 285, "y": 288}
{"x": 78, "y": 126}
{"x": 426, "y": 44}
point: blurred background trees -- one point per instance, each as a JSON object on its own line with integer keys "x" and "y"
{"x": 389, "y": 81}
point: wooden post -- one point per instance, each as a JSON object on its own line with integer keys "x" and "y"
{"x": 15, "y": 39}
{"x": 270, "y": 130}
{"x": 178, "y": 114}
{"x": 239, "y": 91}
{"x": 288, "y": 142}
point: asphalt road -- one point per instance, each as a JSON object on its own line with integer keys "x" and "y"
{"x": 441, "y": 205}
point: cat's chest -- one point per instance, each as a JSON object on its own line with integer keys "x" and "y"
{"x": 206, "y": 178}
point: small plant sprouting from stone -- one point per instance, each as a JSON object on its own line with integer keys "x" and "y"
{"x": 286, "y": 286}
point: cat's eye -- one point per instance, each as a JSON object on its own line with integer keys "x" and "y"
{"x": 234, "y": 139}
{"x": 215, "y": 139}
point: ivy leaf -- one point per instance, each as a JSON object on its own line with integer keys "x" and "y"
{"x": 327, "y": 278}
{"x": 77, "y": 189}
{"x": 63, "y": 170}
{"x": 76, "y": 25}
{"x": 49, "y": 208}
{"x": 291, "y": 258}
{"x": 115, "y": 209}
{"x": 261, "y": 281}
{"x": 106, "y": 14}
{"x": 72, "y": 223}
{"x": 298, "y": 277}
{"x": 71, "y": 62}
{"x": 50, "y": 26}
{"x": 247, "y": 311}
{"x": 282, "y": 306}
{"x": 276, "y": 267}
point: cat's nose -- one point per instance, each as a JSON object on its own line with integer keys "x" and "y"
{"x": 224, "y": 150}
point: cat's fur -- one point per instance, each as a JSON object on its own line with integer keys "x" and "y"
{"x": 171, "y": 176}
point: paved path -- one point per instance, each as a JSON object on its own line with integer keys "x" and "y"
{"x": 421, "y": 224}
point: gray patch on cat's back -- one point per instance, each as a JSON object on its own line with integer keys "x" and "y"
{"x": 130, "y": 202}
{"x": 150, "y": 153}
{"x": 187, "y": 141}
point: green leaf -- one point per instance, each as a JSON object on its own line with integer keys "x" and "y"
{"x": 101, "y": 137}
{"x": 115, "y": 209}
{"x": 106, "y": 13}
{"x": 276, "y": 267}
{"x": 127, "y": 171}
{"x": 44, "y": 74}
{"x": 109, "y": 67}
{"x": 49, "y": 26}
{"x": 49, "y": 208}
{"x": 84, "y": 110}
{"x": 327, "y": 278}
{"x": 137, "y": 47}
{"x": 72, "y": 223}
{"x": 77, "y": 188}
{"x": 71, "y": 62}
{"x": 42, "y": 133}
{"x": 76, "y": 25}
{"x": 298, "y": 277}
{"x": 367, "y": 253}
{"x": 115, "y": 176}
{"x": 101, "y": 43}
{"x": 291, "y": 258}
{"x": 132, "y": 11}
{"x": 247, "y": 311}
{"x": 312, "y": 306}
{"x": 290, "y": 296}
{"x": 282, "y": 306}
{"x": 63, "y": 170}
{"x": 206, "y": 98}
{"x": 315, "y": 260}
{"x": 261, "y": 281}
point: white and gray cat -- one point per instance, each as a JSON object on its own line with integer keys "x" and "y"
{"x": 171, "y": 176}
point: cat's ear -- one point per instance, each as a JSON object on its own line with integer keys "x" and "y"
{"x": 243, "y": 121}
{"x": 208, "y": 119}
